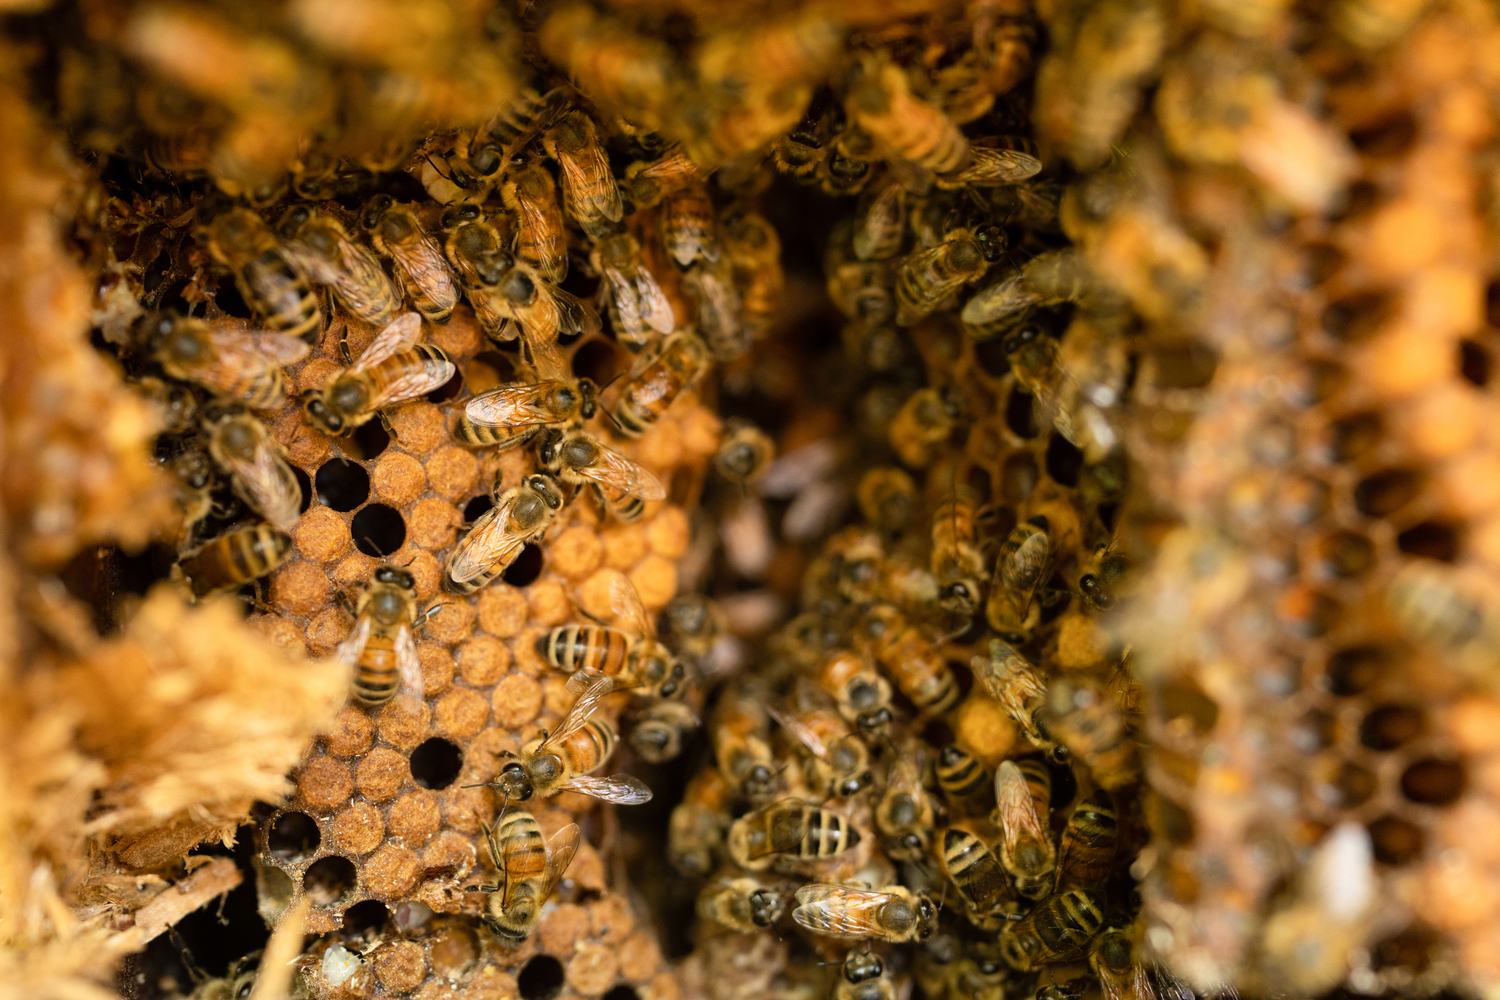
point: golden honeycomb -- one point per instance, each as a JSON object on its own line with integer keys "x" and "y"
{"x": 1221, "y": 317}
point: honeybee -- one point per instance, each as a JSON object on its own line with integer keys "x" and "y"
{"x": 395, "y": 367}
{"x": 529, "y": 868}
{"x": 893, "y": 913}
{"x": 194, "y": 494}
{"x": 861, "y": 290}
{"x": 719, "y": 308}
{"x": 841, "y": 762}
{"x": 656, "y": 379}
{"x": 322, "y": 248}
{"x": 926, "y": 420}
{"x": 965, "y": 781}
{"x": 519, "y": 515}
{"x": 1436, "y": 607}
{"x": 421, "y": 269}
{"x": 925, "y": 278}
{"x": 589, "y": 191}
{"x": 257, "y": 467}
{"x": 800, "y": 152}
{"x": 880, "y": 101}
{"x": 245, "y": 367}
{"x": 637, "y": 305}
{"x": 1023, "y": 794}
{"x": 1121, "y": 977}
{"x": 917, "y": 667}
{"x": 789, "y": 832}
{"x": 687, "y": 225}
{"x": 515, "y": 413}
{"x": 863, "y": 978}
{"x": 887, "y": 498}
{"x": 632, "y": 657}
{"x": 1048, "y": 279}
{"x": 754, "y": 251}
{"x": 880, "y": 221}
{"x": 1087, "y": 851}
{"x": 977, "y": 875}
{"x": 1098, "y": 575}
{"x": 270, "y": 283}
{"x": 956, "y": 561}
{"x": 904, "y": 815}
{"x": 1059, "y": 929}
{"x": 741, "y": 904}
{"x": 661, "y": 731}
{"x": 992, "y": 168}
{"x": 696, "y": 828}
{"x": 1084, "y": 718}
{"x": 1018, "y": 685}
{"x": 863, "y": 696}
{"x": 380, "y": 653}
{"x": 619, "y": 68}
{"x": 577, "y": 457}
{"x": 934, "y": 965}
{"x": 648, "y": 182}
{"x": 562, "y": 760}
{"x": 541, "y": 235}
{"x": 477, "y": 252}
{"x": 745, "y": 452}
{"x": 1024, "y": 562}
{"x": 740, "y": 731}
{"x": 847, "y": 168}
{"x": 544, "y": 312}
{"x": 233, "y": 559}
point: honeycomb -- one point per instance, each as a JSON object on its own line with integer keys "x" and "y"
{"x": 1195, "y": 306}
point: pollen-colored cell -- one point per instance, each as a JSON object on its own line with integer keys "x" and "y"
{"x": 322, "y": 534}
{"x": 563, "y": 928}
{"x": 454, "y": 622}
{"x": 669, "y": 532}
{"x": 639, "y": 957}
{"x": 460, "y": 713}
{"x": 655, "y": 580}
{"x": 576, "y": 552}
{"x": 460, "y": 336}
{"x": 433, "y": 523}
{"x": 397, "y": 478}
{"x": 482, "y": 661}
{"x": 701, "y": 431}
{"x": 400, "y": 966}
{"x": 352, "y": 732}
{"x": 427, "y": 573}
{"x": 382, "y": 773}
{"x": 437, "y": 668}
{"x": 401, "y": 724}
{"x": 391, "y": 872}
{"x": 414, "y": 817}
{"x": 358, "y": 829}
{"x": 419, "y": 426}
{"x": 453, "y": 472}
{"x": 324, "y": 783}
{"x": 301, "y": 588}
{"x": 502, "y": 610}
{"x": 611, "y": 920}
{"x": 516, "y": 701}
{"x": 624, "y": 545}
{"x": 463, "y": 808}
{"x": 592, "y": 969}
{"x": 328, "y": 629}
{"x": 661, "y": 446}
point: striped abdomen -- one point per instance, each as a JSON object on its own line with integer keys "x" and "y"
{"x": 809, "y": 833}
{"x": 647, "y": 399}
{"x": 975, "y": 871}
{"x": 960, "y": 774}
{"x": 271, "y": 285}
{"x": 589, "y": 747}
{"x": 625, "y": 506}
{"x": 265, "y": 390}
{"x": 1088, "y": 844}
{"x": 417, "y": 360}
{"x": 522, "y": 849}
{"x": 584, "y": 647}
{"x": 377, "y": 678}
{"x": 235, "y": 558}
{"x": 1058, "y": 930}
{"x": 485, "y": 436}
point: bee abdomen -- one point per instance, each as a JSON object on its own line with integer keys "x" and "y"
{"x": 826, "y": 834}
{"x": 376, "y": 679}
{"x": 574, "y": 647}
{"x": 484, "y": 436}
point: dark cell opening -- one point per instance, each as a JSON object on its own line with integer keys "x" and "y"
{"x": 1474, "y": 362}
{"x": 1391, "y": 726}
{"x": 294, "y": 836}
{"x": 1174, "y": 822}
{"x": 1316, "y": 730}
{"x": 1302, "y": 500}
{"x": 1352, "y": 671}
{"x": 1395, "y": 840}
{"x": 1020, "y": 414}
{"x": 1345, "y": 553}
{"x": 371, "y": 915}
{"x": 1063, "y": 461}
{"x": 526, "y": 568}
{"x": 1430, "y": 540}
{"x": 369, "y": 440}
{"x": 1018, "y": 477}
{"x": 378, "y": 530}
{"x": 1349, "y": 785}
{"x": 227, "y": 297}
{"x": 1352, "y": 436}
{"x": 622, "y": 993}
{"x": 329, "y": 880}
{"x": 992, "y": 357}
{"x": 1433, "y": 782}
{"x": 436, "y": 763}
{"x": 476, "y": 508}
{"x": 488, "y": 369}
{"x": 541, "y": 978}
{"x": 305, "y": 485}
{"x": 1323, "y": 262}
{"x": 1388, "y": 138}
{"x": 1309, "y": 613}
{"x": 342, "y": 484}
{"x": 448, "y": 389}
{"x": 598, "y": 360}
{"x": 1356, "y": 317}
{"x": 1386, "y": 492}
{"x": 1181, "y": 701}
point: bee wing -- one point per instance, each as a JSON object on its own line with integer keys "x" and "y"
{"x": 560, "y": 851}
{"x": 278, "y": 347}
{"x": 620, "y": 789}
{"x": 806, "y": 736}
{"x": 350, "y": 649}
{"x": 409, "y": 667}
{"x": 510, "y": 405}
{"x": 314, "y": 265}
{"x": 1015, "y": 808}
{"x": 574, "y": 316}
{"x": 400, "y": 333}
{"x": 545, "y": 357}
{"x": 588, "y": 699}
{"x": 629, "y": 610}
{"x": 838, "y": 909}
{"x": 1000, "y": 166}
{"x": 618, "y": 472}
{"x": 267, "y": 484}
{"x": 655, "y": 307}
{"x": 485, "y": 544}
{"x": 420, "y": 382}
{"x": 579, "y": 168}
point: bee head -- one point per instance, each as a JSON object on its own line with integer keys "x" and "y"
{"x": 516, "y": 922}
{"x": 863, "y": 965}
{"x": 853, "y": 785}
{"x": 577, "y": 452}
{"x": 456, "y": 214}
{"x": 514, "y": 781}
{"x": 547, "y": 489}
{"x": 484, "y": 161}
{"x": 490, "y": 266}
{"x": 322, "y": 417}
{"x": 396, "y": 575}
{"x": 589, "y": 392}
{"x": 387, "y": 607}
{"x": 169, "y": 338}
{"x": 374, "y": 211}
{"x": 518, "y": 287}
{"x": 292, "y": 221}
{"x": 1098, "y": 595}
{"x": 238, "y": 437}
{"x": 926, "y": 918}
{"x": 992, "y": 242}
{"x": 765, "y": 907}
{"x": 760, "y": 782}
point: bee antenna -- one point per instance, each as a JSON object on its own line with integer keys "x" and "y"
{"x": 944, "y": 897}
{"x": 378, "y": 550}
{"x": 447, "y": 177}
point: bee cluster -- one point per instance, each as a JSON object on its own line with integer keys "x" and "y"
{"x": 1049, "y": 438}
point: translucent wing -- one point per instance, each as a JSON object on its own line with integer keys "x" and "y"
{"x": 560, "y": 851}
{"x": 992, "y": 167}
{"x": 350, "y": 649}
{"x": 805, "y": 735}
{"x": 486, "y": 544}
{"x": 427, "y": 377}
{"x": 838, "y": 909}
{"x": 574, "y": 316}
{"x": 279, "y": 348}
{"x": 409, "y": 667}
{"x": 402, "y": 332}
{"x": 580, "y": 167}
{"x": 511, "y": 405}
{"x": 629, "y": 610}
{"x": 620, "y": 473}
{"x": 545, "y": 357}
{"x": 267, "y": 484}
{"x": 654, "y": 306}
{"x": 588, "y": 700}
{"x": 1014, "y": 806}
{"x": 620, "y": 789}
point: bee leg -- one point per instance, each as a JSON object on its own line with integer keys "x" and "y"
{"x": 385, "y": 422}
{"x": 342, "y": 598}
{"x": 422, "y": 618}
